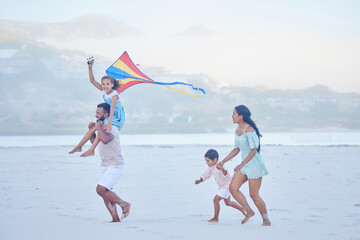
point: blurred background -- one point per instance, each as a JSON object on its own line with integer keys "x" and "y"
{"x": 295, "y": 64}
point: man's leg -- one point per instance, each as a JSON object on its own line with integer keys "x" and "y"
{"x": 112, "y": 209}
{"x": 111, "y": 197}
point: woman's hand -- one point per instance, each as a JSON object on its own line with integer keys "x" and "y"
{"x": 220, "y": 166}
{"x": 239, "y": 167}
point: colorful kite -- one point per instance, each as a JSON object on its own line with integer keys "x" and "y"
{"x": 128, "y": 74}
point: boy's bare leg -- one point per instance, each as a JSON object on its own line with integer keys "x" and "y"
{"x": 216, "y": 201}
{"x": 233, "y": 204}
{"x": 82, "y": 142}
{"x": 237, "y": 181}
{"x": 112, "y": 209}
{"x": 110, "y": 196}
{"x": 91, "y": 150}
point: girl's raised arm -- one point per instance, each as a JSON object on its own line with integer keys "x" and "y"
{"x": 91, "y": 76}
{"x": 112, "y": 109}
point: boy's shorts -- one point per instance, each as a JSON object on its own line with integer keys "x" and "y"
{"x": 224, "y": 193}
{"x": 110, "y": 175}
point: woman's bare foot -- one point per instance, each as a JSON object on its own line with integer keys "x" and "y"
{"x": 213, "y": 220}
{"x": 87, "y": 153}
{"x": 125, "y": 210}
{"x": 266, "y": 220}
{"x": 247, "y": 216}
{"x": 76, "y": 149}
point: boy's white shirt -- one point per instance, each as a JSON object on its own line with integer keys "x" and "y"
{"x": 222, "y": 180}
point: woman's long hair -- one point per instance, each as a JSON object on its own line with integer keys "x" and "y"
{"x": 245, "y": 112}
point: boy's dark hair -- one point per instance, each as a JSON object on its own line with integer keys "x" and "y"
{"x": 212, "y": 154}
{"x": 104, "y": 106}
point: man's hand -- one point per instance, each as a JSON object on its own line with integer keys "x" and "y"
{"x": 108, "y": 128}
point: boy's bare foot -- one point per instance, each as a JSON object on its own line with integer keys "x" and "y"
{"x": 247, "y": 216}
{"x": 76, "y": 149}
{"x": 213, "y": 220}
{"x": 87, "y": 153}
{"x": 125, "y": 210}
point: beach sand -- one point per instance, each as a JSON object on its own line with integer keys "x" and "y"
{"x": 312, "y": 192}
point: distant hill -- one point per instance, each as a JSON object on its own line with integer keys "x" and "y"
{"x": 92, "y": 26}
{"x": 45, "y": 90}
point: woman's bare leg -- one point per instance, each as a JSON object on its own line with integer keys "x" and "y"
{"x": 254, "y": 188}
{"x": 237, "y": 181}
{"x": 82, "y": 142}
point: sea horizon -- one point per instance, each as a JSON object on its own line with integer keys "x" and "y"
{"x": 303, "y": 138}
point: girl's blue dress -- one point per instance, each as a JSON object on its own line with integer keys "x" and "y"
{"x": 119, "y": 113}
{"x": 255, "y": 168}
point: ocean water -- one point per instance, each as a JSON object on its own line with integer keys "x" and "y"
{"x": 215, "y": 139}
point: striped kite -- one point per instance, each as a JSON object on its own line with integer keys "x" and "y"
{"x": 125, "y": 71}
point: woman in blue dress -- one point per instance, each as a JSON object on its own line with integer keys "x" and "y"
{"x": 252, "y": 168}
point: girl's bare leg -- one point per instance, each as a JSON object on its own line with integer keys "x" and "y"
{"x": 82, "y": 142}
{"x": 237, "y": 181}
{"x": 91, "y": 150}
{"x": 254, "y": 188}
{"x": 233, "y": 204}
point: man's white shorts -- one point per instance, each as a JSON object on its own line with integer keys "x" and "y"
{"x": 110, "y": 175}
{"x": 224, "y": 193}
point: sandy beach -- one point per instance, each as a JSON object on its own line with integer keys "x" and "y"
{"x": 312, "y": 192}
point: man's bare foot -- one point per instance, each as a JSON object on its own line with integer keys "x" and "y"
{"x": 213, "y": 220}
{"x": 247, "y": 216}
{"x": 87, "y": 153}
{"x": 115, "y": 220}
{"x": 125, "y": 210}
{"x": 76, "y": 149}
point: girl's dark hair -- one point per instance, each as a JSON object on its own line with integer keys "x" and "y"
{"x": 212, "y": 154}
{"x": 113, "y": 80}
{"x": 245, "y": 112}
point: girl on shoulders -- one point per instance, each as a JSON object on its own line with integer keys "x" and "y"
{"x": 116, "y": 118}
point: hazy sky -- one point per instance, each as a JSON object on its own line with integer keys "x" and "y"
{"x": 277, "y": 43}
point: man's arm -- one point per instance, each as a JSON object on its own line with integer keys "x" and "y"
{"x": 104, "y": 137}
